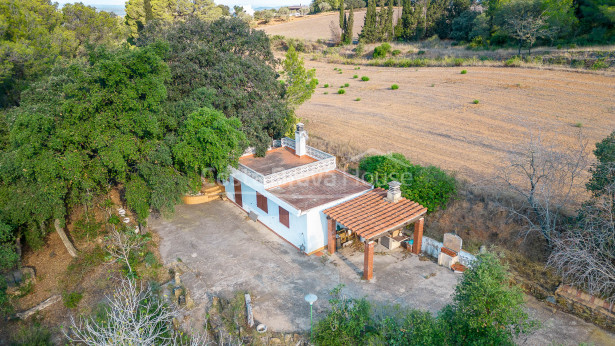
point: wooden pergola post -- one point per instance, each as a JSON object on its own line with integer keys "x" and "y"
{"x": 368, "y": 260}
{"x": 418, "y": 235}
{"x": 331, "y": 235}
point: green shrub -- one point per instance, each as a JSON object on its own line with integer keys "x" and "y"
{"x": 365, "y": 78}
{"x": 515, "y": 61}
{"x": 579, "y": 125}
{"x": 5, "y": 303}
{"x": 485, "y": 310}
{"x": 382, "y": 50}
{"x": 355, "y": 76}
{"x": 341, "y": 91}
{"x": 150, "y": 259}
{"x": 87, "y": 226}
{"x": 394, "y": 87}
{"x": 476, "y": 102}
{"x": 358, "y": 99}
{"x": 326, "y": 85}
{"x": 396, "y": 52}
{"x": 346, "y": 85}
{"x": 114, "y": 220}
{"x": 8, "y": 251}
{"x": 32, "y": 335}
{"x": 72, "y": 299}
{"x": 359, "y": 50}
{"x": 429, "y": 186}
{"x": 346, "y": 323}
{"x": 420, "y": 52}
{"x": 600, "y": 64}
{"x": 464, "y": 71}
{"x": 357, "y": 68}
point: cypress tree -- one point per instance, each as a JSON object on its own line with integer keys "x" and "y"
{"x": 369, "y": 33}
{"x": 342, "y": 17}
{"x": 407, "y": 24}
{"x": 420, "y": 20}
{"x": 349, "y": 26}
{"x": 345, "y": 30}
{"x": 389, "y": 22}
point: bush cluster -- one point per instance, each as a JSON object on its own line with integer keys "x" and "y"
{"x": 485, "y": 311}
{"x": 382, "y": 50}
{"x": 430, "y": 186}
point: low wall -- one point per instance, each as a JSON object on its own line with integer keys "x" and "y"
{"x": 432, "y": 248}
{"x": 588, "y": 307}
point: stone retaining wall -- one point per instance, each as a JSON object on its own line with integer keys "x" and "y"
{"x": 586, "y": 306}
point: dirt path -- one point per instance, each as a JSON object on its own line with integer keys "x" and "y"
{"x": 432, "y": 118}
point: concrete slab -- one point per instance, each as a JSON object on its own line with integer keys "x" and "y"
{"x": 226, "y": 252}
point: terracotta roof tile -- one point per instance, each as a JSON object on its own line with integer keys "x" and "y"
{"x": 370, "y": 215}
{"x": 458, "y": 267}
{"x": 448, "y": 251}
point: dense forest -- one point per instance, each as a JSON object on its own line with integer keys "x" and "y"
{"x": 149, "y": 104}
{"x": 484, "y": 23}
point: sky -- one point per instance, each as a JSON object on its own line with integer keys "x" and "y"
{"x": 230, "y": 3}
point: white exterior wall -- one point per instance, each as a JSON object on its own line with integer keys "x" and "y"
{"x": 307, "y": 228}
{"x": 297, "y": 230}
{"x": 432, "y": 248}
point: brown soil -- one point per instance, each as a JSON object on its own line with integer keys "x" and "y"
{"x": 57, "y": 273}
{"x": 432, "y": 119}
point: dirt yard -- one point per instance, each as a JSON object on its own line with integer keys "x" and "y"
{"x": 224, "y": 252}
{"x": 433, "y": 118}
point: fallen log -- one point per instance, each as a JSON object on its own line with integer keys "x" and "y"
{"x": 45, "y": 304}
{"x": 69, "y": 246}
{"x": 249, "y": 310}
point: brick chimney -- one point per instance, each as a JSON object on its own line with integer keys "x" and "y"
{"x": 394, "y": 193}
{"x": 300, "y": 140}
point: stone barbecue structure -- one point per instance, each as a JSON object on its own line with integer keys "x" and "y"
{"x": 298, "y": 192}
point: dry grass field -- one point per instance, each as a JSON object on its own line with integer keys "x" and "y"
{"x": 432, "y": 117}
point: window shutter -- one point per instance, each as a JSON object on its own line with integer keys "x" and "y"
{"x": 284, "y": 220}
{"x": 261, "y": 202}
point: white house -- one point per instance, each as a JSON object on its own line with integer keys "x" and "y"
{"x": 289, "y": 188}
{"x": 298, "y": 192}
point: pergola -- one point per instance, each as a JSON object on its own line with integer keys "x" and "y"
{"x": 373, "y": 215}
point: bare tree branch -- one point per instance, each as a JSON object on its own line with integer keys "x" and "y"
{"x": 543, "y": 181}
{"x": 585, "y": 254}
{"x": 121, "y": 244}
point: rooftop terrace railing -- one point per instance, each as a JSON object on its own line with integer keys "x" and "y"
{"x": 325, "y": 162}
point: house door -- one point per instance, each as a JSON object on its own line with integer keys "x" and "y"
{"x": 237, "y": 192}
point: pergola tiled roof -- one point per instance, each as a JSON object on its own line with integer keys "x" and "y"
{"x": 371, "y": 215}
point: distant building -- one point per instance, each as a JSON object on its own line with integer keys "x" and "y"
{"x": 296, "y": 10}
